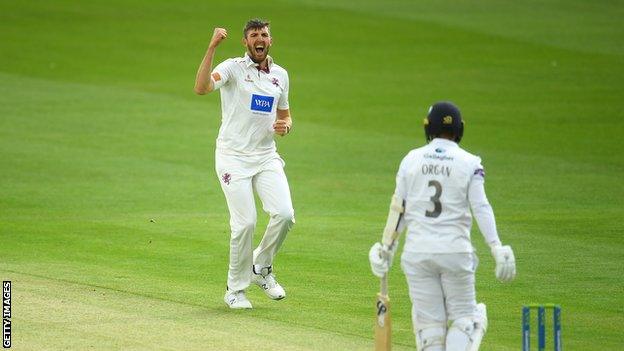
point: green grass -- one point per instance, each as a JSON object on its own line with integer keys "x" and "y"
{"x": 100, "y": 133}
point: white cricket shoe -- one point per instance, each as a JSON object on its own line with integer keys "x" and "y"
{"x": 236, "y": 299}
{"x": 269, "y": 285}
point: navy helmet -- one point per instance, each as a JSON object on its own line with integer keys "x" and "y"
{"x": 444, "y": 117}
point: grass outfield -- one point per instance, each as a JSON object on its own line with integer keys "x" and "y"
{"x": 113, "y": 227}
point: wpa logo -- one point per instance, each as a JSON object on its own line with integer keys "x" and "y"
{"x": 262, "y": 103}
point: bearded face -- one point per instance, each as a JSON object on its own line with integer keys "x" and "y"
{"x": 258, "y": 41}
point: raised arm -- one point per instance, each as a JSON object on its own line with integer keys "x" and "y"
{"x": 203, "y": 82}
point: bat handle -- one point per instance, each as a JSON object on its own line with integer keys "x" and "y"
{"x": 383, "y": 288}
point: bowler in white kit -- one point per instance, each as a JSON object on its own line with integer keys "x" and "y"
{"x": 254, "y": 108}
{"x": 437, "y": 185}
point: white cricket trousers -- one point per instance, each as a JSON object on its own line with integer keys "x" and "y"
{"x": 441, "y": 287}
{"x": 239, "y": 177}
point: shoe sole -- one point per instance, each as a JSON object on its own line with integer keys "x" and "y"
{"x": 240, "y": 308}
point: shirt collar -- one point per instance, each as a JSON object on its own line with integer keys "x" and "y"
{"x": 250, "y": 62}
{"x": 442, "y": 141}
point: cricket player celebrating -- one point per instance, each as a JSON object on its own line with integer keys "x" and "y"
{"x": 254, "y": 107}
{"x": 436, "y": 186}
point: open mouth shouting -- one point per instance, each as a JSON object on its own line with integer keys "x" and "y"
{"x": 258, "y": 42}
{"x": 259, "y": 52}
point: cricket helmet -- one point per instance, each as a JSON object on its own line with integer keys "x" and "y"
{"x": 444, "y": 117}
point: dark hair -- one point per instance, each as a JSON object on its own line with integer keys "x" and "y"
{"x": 255, "y": 23}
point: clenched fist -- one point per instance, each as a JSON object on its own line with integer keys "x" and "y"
{"x": 281, "y": 127}
{"x": 217, "y": 37}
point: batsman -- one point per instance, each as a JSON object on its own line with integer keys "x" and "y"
{"x": 437, "y": 185}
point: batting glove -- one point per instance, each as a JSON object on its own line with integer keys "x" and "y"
{"x": 381, "y": 259}
{"x": 505, "y": 262}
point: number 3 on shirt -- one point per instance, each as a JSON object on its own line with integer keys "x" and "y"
{"x": 435, "y": 199}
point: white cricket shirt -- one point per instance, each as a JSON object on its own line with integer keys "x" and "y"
{"x": 249, "y": 99}
{"x": 439, "y": 182}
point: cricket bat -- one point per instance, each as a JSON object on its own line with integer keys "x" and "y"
{"x": 383, "y": 325}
